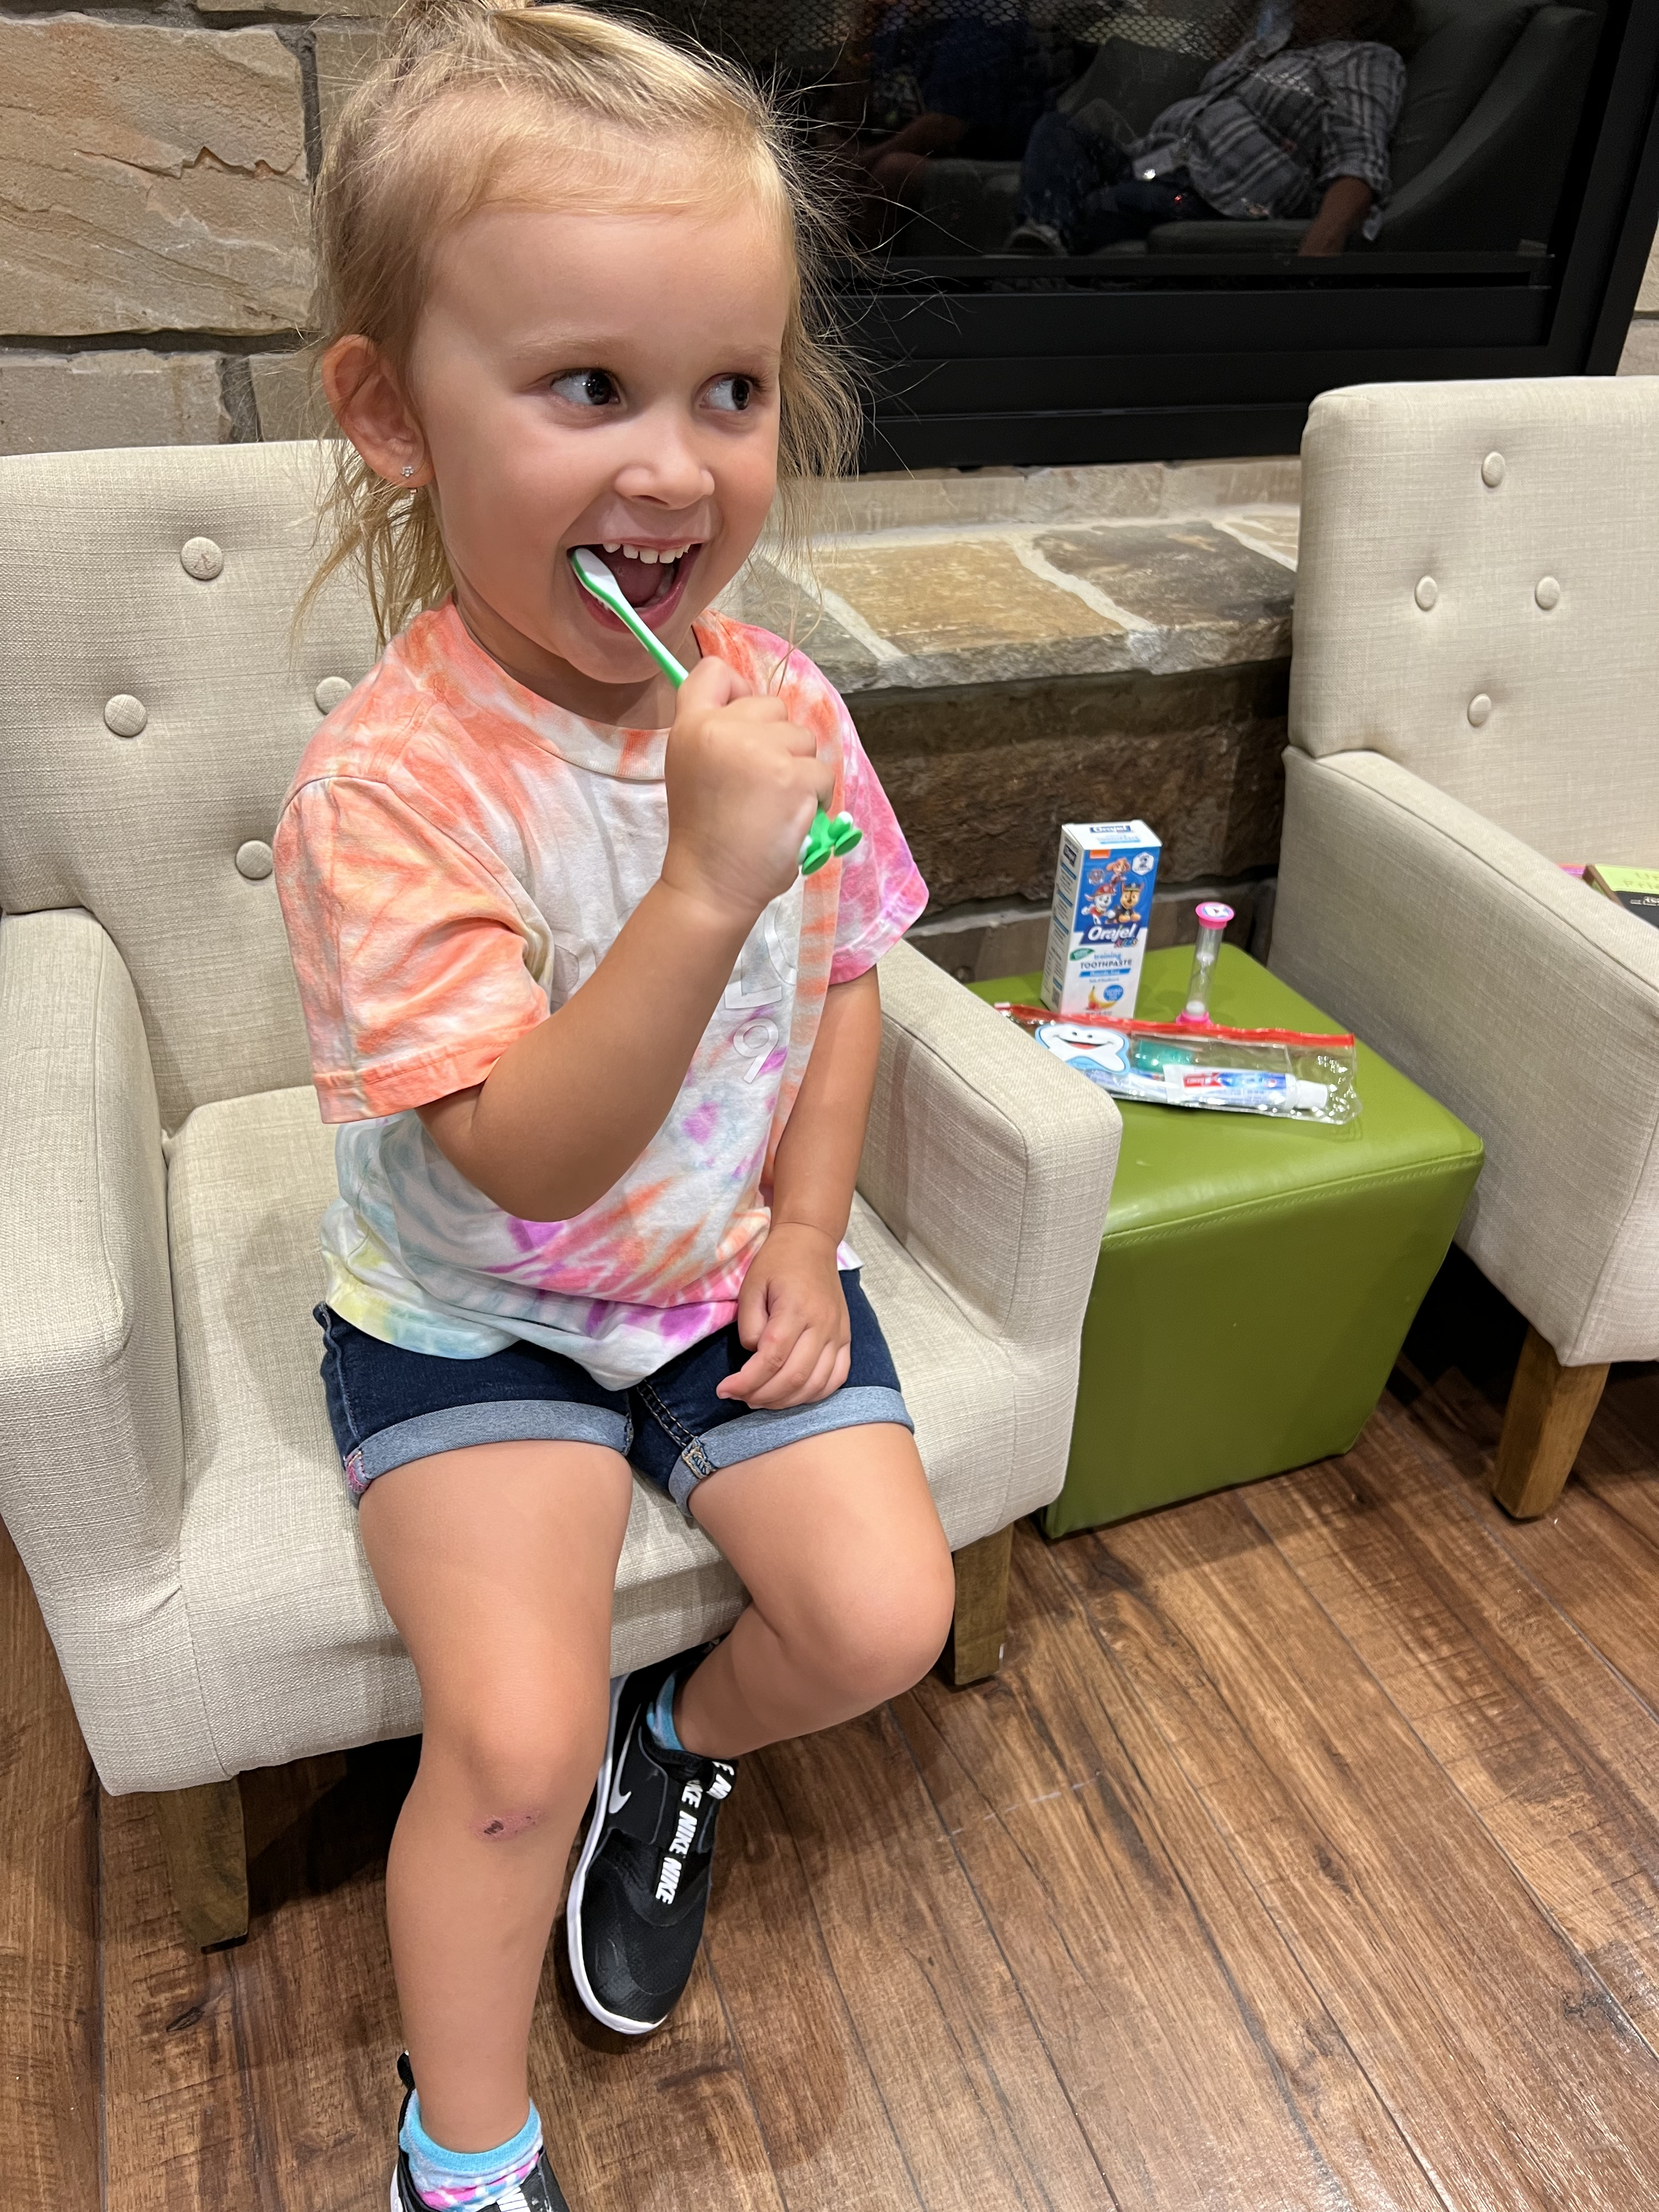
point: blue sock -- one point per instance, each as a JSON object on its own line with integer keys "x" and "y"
{"x": 457, "y": 2180}
{"x": 660, "y": 1718}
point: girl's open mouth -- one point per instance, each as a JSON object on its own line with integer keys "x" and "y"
{"x": 651, "y": 578}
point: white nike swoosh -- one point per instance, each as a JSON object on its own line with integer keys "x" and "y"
{"x": 619, "y": 1797}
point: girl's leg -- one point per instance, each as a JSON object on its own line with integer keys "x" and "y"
{"x": 1061, "y": 167}
{"x": 840, "y": 1547}
{"x": 497, "y": 1564}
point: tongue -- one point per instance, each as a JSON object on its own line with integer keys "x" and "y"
{"x": 636, "y": 580}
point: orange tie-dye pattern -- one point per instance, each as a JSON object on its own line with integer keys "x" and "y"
{"x": 454, "y": 858}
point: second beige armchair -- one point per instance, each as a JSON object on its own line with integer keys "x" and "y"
{"x": 1474, "y": 702}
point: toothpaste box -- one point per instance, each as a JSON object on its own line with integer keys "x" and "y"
{"x": 1102, "y": 905}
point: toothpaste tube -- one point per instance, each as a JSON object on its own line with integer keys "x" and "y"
{"x": 1243, "y": 1090}
{"x": 1170, "y": 1070}
{"x": 1289, "y": 1073}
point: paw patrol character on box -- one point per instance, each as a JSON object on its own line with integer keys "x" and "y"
{"x": 1103, "y": 903}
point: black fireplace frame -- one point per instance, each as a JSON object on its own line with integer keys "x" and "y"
{"x": 980, "y": 363}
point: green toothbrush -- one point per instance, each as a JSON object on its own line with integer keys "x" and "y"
{"x": 826, "y": 839}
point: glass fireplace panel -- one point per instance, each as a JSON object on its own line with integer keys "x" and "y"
{"x": 1096, "y": 229}
{"x": 1124, "y": 128}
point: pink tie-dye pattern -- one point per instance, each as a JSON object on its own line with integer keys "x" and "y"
{"x": 700, "y": 1123}
{"x": 433, "y": 879}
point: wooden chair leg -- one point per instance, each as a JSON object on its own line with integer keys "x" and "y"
{"x": 275, "y": 1798}
{"x": 206, "y": 1854}
{"x": 980, "y": 1618}
{"x": 1550, "y": 1408}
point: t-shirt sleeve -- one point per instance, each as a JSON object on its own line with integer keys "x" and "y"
{"x": 1366, "y": 83}
{"x": 407, "y": 950}
{"x": 882, "y": 891}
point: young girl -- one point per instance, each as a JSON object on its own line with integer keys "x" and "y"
{"x": 601, "y": 1055}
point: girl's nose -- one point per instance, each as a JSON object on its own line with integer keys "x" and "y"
{"x": 663, "y": 465}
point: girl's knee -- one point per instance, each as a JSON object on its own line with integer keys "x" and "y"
{"x": 878, "y": 1633}
{"x": 513, "y": 1762}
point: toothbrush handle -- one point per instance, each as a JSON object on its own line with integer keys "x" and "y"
{"x": 660, "y": 653}
{"x": 826, "y": 840}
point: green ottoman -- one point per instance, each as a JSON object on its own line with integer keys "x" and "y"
{"x": 1256, "y": 1277}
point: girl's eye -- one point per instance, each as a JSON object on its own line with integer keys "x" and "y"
{"x": 586, "y": 387}
{"x": 732, "y": 394}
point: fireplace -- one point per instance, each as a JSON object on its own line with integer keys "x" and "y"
{"x": 1106, "y": 230}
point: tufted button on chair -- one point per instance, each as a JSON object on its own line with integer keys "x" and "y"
{"x": 1449, "y": 749}
{"x": 166, "y": 1467}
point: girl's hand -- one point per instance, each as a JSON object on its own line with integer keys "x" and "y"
{"x": 791, "y": 1317}
{"x": 743, "y": 782}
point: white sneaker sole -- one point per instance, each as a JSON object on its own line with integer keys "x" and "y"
{"x": 578, "y": 1886}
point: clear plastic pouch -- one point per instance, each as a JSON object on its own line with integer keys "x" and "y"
{"x": 1295, "y": 1075}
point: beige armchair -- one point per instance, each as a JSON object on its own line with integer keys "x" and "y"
{"x": 166, "y": 1466}
{"x": 1474, "y": 699}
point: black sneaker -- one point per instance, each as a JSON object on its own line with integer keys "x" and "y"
{"x": 640, "y": 1888}
{"x": 537, "y": 2192}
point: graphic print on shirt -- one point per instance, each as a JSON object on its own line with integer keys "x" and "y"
{"x": 569, "y": 967}
{"x": 455, "y": 858}
{"x": 762, "y": 985}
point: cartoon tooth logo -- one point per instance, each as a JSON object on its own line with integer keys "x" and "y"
{"x": 1084, "y": 1047}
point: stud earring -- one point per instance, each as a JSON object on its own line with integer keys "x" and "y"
{"x": 408, "y": 468}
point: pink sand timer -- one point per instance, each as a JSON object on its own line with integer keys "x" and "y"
{"x": 1213, "y": 920}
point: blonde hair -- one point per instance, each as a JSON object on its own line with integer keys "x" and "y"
{"x": 476, "y": 103}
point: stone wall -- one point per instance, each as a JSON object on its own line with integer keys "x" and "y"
{"x": 1021, "y": 648}
{"x": 155, "y": 164}
{"x": 1641, "y": 354}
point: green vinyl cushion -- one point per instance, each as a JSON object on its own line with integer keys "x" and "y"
{"x": 1257, "y": 1277}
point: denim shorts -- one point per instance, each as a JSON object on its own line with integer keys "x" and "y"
{"x": 387, "y": 1406}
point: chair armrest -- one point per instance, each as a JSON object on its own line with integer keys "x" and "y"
{"x": 91, "y": 1442}
{"x": 990, "y": 1163}
{"x": 1525, "y": 1002}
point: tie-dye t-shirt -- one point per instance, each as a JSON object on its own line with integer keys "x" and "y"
{"x": 455, "y": 857}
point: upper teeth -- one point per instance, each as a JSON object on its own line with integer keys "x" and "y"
{"x": 648, "y": 553}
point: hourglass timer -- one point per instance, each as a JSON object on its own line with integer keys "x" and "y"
{"x": 1213, "y": 920}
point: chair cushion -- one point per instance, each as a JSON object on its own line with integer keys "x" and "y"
{"x": 1269, "y": 234}
{"x": 296, "y": 1653}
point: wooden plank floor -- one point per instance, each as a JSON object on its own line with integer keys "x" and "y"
{"x": 1304, "y": 1857}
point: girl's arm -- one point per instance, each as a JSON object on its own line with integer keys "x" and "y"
{"x": 817, "y": 1157}
{"x": 792, "y": 1314}
{"x": 569, "y": 1106}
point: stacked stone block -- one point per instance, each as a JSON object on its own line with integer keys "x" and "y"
{"x": 155, "y": 169}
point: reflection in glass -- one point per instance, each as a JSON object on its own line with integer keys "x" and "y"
{"x": 1067, "y": 129}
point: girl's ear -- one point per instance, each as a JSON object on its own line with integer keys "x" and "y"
{"x": 371, "y": 410}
